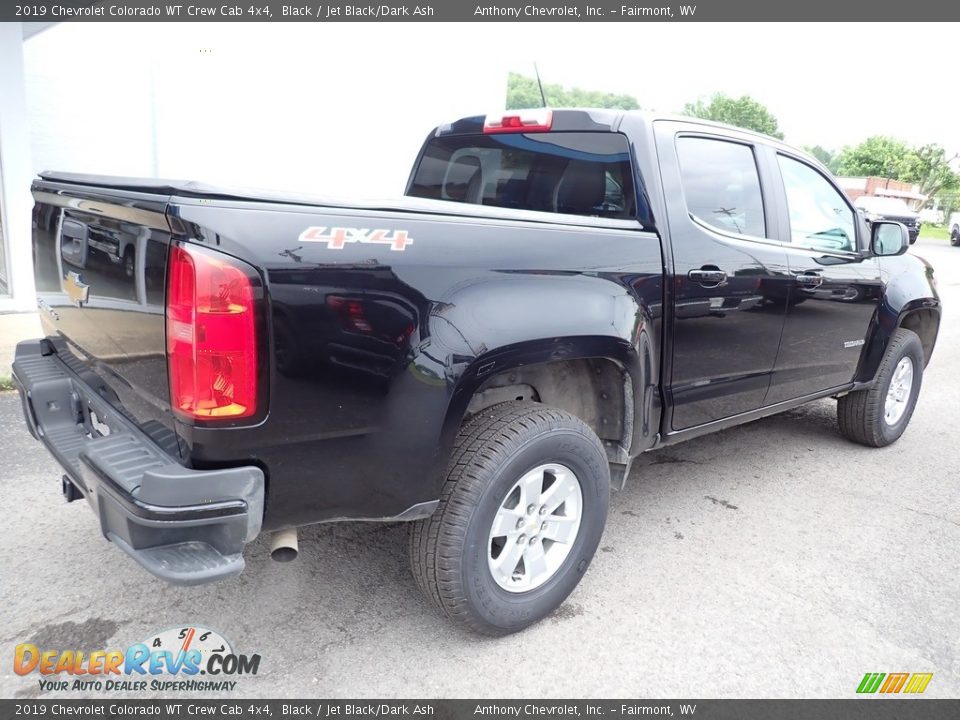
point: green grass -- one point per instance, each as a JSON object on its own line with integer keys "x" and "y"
{"x": 934, "y": 232}
{"x": 6, "y": 383}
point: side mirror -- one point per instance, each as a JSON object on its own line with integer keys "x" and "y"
{"x": 889, "y": 238}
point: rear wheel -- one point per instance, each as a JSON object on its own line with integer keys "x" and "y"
{"x": 520, "y": 517}
{"x": 955, "y": 236}
{"x": 879, "y": 415}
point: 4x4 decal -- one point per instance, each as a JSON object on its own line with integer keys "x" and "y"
{"x": 337, "y": 238}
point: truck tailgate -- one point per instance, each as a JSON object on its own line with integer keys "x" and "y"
{"x": 100, "y": 258}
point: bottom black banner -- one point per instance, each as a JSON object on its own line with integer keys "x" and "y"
{"x": 876, "y": 708}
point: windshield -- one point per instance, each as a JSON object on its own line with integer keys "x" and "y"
{"x": 579, "y": 173}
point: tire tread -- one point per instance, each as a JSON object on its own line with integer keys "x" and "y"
{"x": 860, "y": 414}
{"x": 482, "y": 444}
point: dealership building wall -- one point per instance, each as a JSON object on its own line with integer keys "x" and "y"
{"x": 329, "y": 110}
{"x": 856, "y": 187}
{"x": 16, "y": 276}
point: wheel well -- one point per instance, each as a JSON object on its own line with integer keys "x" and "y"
{"x": 926, "y": 324}
{"x": 596, "y": 390}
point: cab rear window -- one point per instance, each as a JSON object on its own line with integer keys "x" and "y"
{"x": 578, "y": 173}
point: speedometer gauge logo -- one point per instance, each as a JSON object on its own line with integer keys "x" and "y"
{"x": 184, "y": 639}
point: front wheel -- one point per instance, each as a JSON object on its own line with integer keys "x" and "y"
{"x": 879, "y": 415}
{"x": 519, "y": 520}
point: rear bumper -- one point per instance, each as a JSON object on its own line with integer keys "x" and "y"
{"x": 185, "y": 526}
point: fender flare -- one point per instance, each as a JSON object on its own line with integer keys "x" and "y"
{"x": 639, "y": 365}
{"x": 886, "y": 322}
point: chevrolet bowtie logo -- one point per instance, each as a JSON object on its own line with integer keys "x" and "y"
{"x": 77, "y": 290}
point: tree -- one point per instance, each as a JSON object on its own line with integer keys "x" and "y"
{"x": 743, "y": 112}
{"x": 827, "y": 157}
{"x": 926, "y": 166}
{"x": 879, "y": 156}
{"x": 929, "y": 167}
{"x": 949, "y": 202}
{"x": 523, "y": 92}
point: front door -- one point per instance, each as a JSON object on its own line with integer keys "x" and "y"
{"x": 730, "y": 276}
{"x": 835, "y": 288}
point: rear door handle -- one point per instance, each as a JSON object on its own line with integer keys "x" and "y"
{"x": 708, "y": 276}
{"x": 809, "y": 279}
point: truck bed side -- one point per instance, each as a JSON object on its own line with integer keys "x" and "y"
{"x": 373, "y": 348}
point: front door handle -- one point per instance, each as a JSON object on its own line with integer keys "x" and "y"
{"x": 708, "y": 276}
{"x": 809, "y": 279}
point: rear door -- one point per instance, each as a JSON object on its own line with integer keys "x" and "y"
{"x": 834, "y": 289}
{"x": 730, "y": 274}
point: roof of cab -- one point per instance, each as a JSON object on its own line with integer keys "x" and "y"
{"x": 608, "y": 120}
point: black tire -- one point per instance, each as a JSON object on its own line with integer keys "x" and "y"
{"x": 861, "y": 414}
{"x": 955, "y": 237}
{"x": 449, "y": 550}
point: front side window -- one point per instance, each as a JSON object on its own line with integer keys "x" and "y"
{"x": 819, "y": 215}
{"x": 721, "y": 185}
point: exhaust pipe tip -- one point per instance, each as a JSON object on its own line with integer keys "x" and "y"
{"x": 284, "y": 546}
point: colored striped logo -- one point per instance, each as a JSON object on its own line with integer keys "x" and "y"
{"x": 894, "y": 683}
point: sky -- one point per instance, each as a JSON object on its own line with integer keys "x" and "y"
{"x": 341, "y": 109}
{"x": 827, "y": 84}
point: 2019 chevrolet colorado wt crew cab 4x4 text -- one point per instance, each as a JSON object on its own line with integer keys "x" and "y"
{"x": 561, "y": 291}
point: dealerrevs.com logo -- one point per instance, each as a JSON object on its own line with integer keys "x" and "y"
{"x": 180, "y": 659}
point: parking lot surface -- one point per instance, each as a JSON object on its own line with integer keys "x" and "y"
{"x": 771, "y": 560}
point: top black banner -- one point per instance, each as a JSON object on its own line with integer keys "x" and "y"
{"x": 859, "y": 11}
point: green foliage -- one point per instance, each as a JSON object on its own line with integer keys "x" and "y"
{"x": 744, "y": 112}
{"x": 523, "y": 92}
{"x": 949, "y": 202}
{"x": 878, "y": 156}
{"x": 827, "y": 157}
{"x": 927, "y": 165}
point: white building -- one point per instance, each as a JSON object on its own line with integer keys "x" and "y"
{"x": 324, "y": 109}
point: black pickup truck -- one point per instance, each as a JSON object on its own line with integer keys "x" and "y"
{"x": 559, "y": 292}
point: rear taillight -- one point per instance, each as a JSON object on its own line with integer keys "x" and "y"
{"x": 211, "y": 335}
{"x": 524, "y": 121}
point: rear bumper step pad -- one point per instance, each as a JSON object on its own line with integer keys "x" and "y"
{"x": 185, "y": 526}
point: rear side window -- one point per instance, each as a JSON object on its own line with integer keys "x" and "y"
{"x": 721, "y": 185}
{"x": 563, "y": 172}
